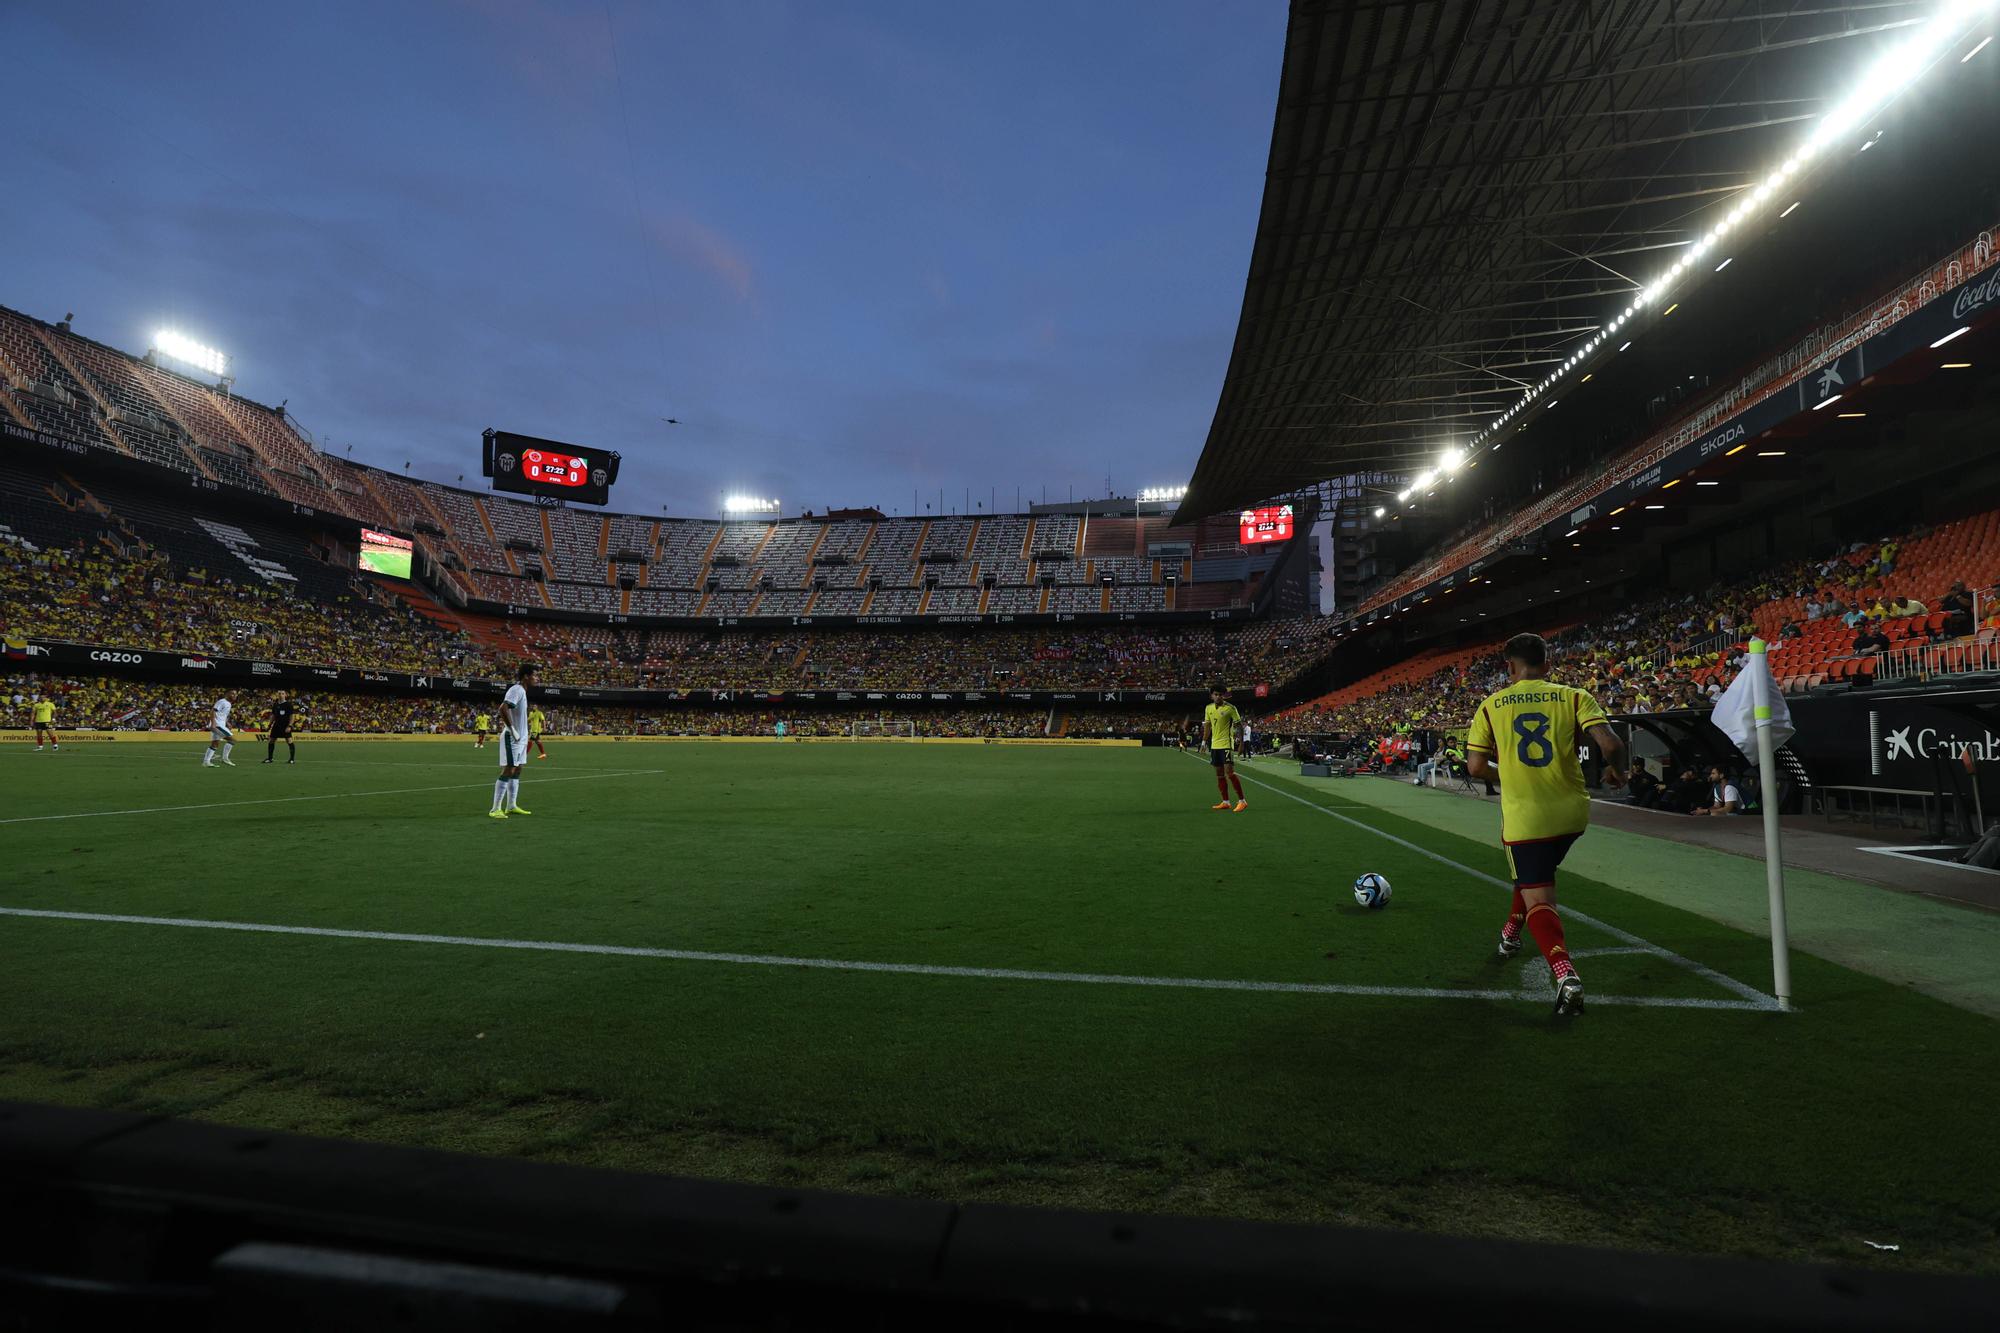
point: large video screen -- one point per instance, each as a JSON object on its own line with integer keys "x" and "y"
{"x": 528, "y": 466}
{"x": 385, "y": 553}
{"x": 1273, "y": 524}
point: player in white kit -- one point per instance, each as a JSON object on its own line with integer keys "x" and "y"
{"x": 513, "y": 745}
{"x": 220, "y": 738}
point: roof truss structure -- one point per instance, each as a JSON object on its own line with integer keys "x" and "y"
{"x": 1461, "y": 191}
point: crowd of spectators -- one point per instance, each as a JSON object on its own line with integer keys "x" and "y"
{"x": 109, "y": 703}
{"x": 1661, "y": 654}
{"x": 948, "y": 658}
{"x": 142, "y": 599}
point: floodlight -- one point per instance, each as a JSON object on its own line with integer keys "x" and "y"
{"x": 185, "y": 349}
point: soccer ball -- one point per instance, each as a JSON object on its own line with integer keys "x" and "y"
{"x": 1371, "y": 890}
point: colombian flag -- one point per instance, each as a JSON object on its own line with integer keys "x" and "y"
{"x": 17, "y": 650}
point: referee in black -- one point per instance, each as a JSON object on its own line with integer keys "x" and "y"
{"x": 281, "y": 730}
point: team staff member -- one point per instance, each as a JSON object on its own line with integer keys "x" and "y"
{"x": 1219, "y": 723}
{"x": 1528, "y": 731}
{"x": 538, "y": 723}
{"x": 45, "y": 719}
{"x": 280, "y": 729}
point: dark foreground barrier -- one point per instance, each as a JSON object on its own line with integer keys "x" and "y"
{"x": 114, "y": 1221}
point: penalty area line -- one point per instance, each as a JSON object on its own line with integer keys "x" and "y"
{"x": 901, "y": 969}
{"x": 1755, "y": 998}
{"x": 323, "y": 796}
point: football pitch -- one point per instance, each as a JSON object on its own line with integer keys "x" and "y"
{"x": 1039, "y": 975}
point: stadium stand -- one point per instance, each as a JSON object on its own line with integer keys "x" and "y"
{"x": 1679, "y": 650}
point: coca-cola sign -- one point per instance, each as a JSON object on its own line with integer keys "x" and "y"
{"x": 1974, "y": 295}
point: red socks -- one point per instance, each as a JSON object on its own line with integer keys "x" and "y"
{"x": 1237, "y": 783}
{"x": 1512, "y": 930}
{"x": 1547, "y": 928}
{"x": 1222, "y": 783}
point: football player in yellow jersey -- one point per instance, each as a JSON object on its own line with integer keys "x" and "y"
{"x": 482, "y": 724}
{"x": 537, "y": 723}
{"x": 45, "y": 721}
{"x": 1527, "y": 735}
{"x": 1219, "y": 724}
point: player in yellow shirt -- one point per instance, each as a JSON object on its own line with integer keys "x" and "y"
{"x": 1219, "y": 724}
{"x": 537, "y": 723}
{"x": 45, "y": 717}
{"x": 1527, "y": 735}
{"x": 482, "y": 724}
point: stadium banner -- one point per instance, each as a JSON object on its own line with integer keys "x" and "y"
{"x": 1941, "y": 742}
{"x": 244, "y": 735}
{"x": 249, "y": 735}
{"x": 60, "y": 657}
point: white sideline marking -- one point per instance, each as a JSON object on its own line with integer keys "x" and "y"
{"x": 844, "y": 965}
{"x": 323, "y": 796}
{"x": 1758, "y": 998}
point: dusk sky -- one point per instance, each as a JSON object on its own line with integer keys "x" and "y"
{"x": 859, "y": 250}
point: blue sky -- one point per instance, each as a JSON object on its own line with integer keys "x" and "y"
{"x": 859, "y": 250}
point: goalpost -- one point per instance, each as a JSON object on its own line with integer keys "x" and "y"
{"x": 884, "y": 729}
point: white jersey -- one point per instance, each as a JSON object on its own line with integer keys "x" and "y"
{"x": 514, "y": 725}
{"x": 221, "y": 723}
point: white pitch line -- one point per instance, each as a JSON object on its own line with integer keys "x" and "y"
{"x": 324, "y": 796}
{"x": 1758, "y": 998}
{"x": 845, "y": 965}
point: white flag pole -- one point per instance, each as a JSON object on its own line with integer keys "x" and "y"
{"x": 1774, "y": 863}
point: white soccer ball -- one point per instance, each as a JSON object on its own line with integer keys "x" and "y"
{"x": 1372, "y": 890}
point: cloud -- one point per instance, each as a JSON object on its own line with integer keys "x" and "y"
{"x": 557, "y": 50}
{"x": 695, "y": 243}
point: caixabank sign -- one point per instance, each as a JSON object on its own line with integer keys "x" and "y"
{"x": 1942, "y": 740}
{"x": 1908, "y": 741}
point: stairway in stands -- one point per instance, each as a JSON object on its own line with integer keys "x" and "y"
{"x": 500, "y": 637}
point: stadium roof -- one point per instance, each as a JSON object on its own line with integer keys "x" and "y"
{"x": 1462, "y": 192}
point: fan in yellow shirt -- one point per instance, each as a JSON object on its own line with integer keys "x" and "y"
{"x": 1527, "y": 734}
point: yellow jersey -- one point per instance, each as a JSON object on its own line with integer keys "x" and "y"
{"x": 1223, "y": 721}
{"x": 1532, "y": 729}
{"x": 482, "y": 723}
{"x": 536, "y": 721}
{"x": 45, "y": 710}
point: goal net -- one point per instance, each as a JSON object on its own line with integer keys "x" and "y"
{"x": 885, "y": 729}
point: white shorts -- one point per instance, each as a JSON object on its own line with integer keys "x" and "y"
{"x": 513, "y": 750}
{"x": 221, "y": 734}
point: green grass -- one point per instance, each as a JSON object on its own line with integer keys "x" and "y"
{"x": 1863, "y": 1116}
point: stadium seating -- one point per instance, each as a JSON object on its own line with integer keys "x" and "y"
{"x": 97, "y": 555}
{"x": 1679, "y": 651}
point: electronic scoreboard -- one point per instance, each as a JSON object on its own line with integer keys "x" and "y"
{"x": 528, "y": 466}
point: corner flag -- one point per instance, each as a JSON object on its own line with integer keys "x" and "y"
{"x": 1735, "y": 714}
{"x": 1752, "y": 713}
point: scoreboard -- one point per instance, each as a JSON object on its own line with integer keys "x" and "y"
{"x": 1271, "y": 524}
{"x": 529, "y": 466}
